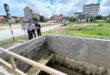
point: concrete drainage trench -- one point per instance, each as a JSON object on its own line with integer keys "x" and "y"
{"x": 53, "y": 63}
{"x": 70, "y": 55}
{"x": 74, "y": 67}
{"x": 50, "y": 60}
{"x": 63, "y": 64}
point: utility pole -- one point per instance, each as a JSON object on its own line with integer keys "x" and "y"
{"x": 8, "y": 17}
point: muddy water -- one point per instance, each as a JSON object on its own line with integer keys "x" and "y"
{"x": 64, "y": 69}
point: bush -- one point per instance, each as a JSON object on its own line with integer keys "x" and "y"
{"x": 35, "y": 19}
{"x": 93, "y": 19}
{"x": 108, "y": 20}
{"x": 42, "y": 19}
{"x": 72, "y": 19}
{"x": 100, "y": 25}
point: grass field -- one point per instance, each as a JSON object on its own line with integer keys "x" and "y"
{"x": 9, "y": 42}
{"x": 7, "y": 24}
{"x": 101, "y": 30}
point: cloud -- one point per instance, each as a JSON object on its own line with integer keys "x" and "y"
{"x": 16, "y": 7}
{"x": 106, "y": 2}
{"x": 52, "y": 7}
{"x": 105, "y": 7}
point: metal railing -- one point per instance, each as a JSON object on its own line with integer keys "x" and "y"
{"x": 28, "y": 61}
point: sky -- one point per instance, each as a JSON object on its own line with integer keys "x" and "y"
{"x": 52, "y": 7}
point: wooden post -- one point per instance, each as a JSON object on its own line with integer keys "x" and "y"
{"x": 33, "y": 63}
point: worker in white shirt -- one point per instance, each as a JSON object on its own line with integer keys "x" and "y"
{"x": 30, "y": 28}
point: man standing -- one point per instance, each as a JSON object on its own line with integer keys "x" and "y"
{"x": 38, "y": 27}
{"x": 30, "y": 27}
{"x": 33, "y": 32}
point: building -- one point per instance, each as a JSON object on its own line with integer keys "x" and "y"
{"x": 1, "y": 19}
{"x": 29, "y": 14}
{"x": 91, "y": 9}
{"x": 57, "y": 17}
{"x": 15, "y": 19}
{"x": 36, "y": 15}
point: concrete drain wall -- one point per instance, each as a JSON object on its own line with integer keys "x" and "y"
{"x": 83, "y": 68}
{"x": 30, "y": 49}
{"x": 91, "y": 51}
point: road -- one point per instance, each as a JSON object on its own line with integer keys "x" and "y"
{"x": 6, "y": 34}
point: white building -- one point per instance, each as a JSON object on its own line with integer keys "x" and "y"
{"x": 91, "y": 9}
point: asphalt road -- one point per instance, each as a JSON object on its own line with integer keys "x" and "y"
{"x": 6, "y": 34}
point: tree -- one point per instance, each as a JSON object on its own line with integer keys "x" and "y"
{"x": 108, "y": 19}
{"x": 14, "y": 16}
{"x": 42, "y": 19}
{"x": 72, "y": 19}
{"x": 35, "y": 19}
{"x": 93, "y": 19}
{"x": 4, "y": 16}
{"x": 99, "y": 17}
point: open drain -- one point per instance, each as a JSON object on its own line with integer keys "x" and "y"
{"x": 61, "y": 55}
{"x": 47, "y": 59}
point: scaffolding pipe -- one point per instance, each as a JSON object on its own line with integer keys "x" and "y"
{"x": 33, "y": 63}
{"x": 10, "y": 67}
{"x": 12, "y": 63}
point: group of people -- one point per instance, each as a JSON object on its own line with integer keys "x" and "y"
{"x": 32, "y": 28}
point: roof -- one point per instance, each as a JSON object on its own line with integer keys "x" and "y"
{"x": 92, "y": 4}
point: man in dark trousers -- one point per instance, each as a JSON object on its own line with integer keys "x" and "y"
{"x": 30, "y": 27}
{"x": 33, "y": 32}
{"x": 38, "y": 27}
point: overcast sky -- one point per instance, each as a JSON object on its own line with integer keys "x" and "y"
{"x": 51, "y": 7}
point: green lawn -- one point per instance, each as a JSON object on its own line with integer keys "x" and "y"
{"x": 11, "y": 41}
{"x": 101, "y": 30}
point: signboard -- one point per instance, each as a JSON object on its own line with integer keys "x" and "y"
{"x": 6, "y": 7}
{"x": 8, "y": 17}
